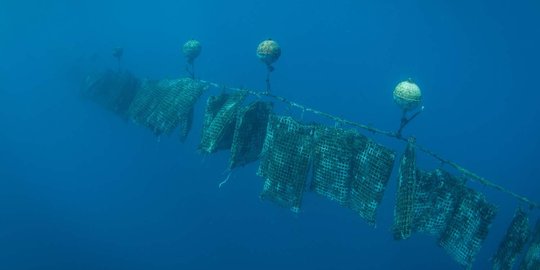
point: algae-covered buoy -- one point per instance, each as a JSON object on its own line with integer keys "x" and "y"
{"x": 191, "y": 49}
{"x": 268, "y": 51}
{"x": 407, "y": 95}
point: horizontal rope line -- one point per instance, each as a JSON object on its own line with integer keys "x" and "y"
{"x": 468, "y": 173}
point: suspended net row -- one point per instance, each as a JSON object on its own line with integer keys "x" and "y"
{"x": 440, "y": 204}
{"x": 395, "y": 135}
{"x": 347, "y": 167}
{"x": 338, "y": 164}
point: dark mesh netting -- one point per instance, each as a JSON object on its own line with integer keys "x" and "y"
{"x": 440, "y": 204}
{"x": 220, "y": 121}
{"x": 113, "y": 90}
{"x": 163, "y": 105}
{"x": 513, "y": 243}
{"x": 351, "y": 169}
{"x": 437, "y": 195}
{"x": 285, "y": 161}
{"x": 185, "y": 124}
{"x": 406, "y": 195}
{"x": 468, "y": 227}
{"x": 333, "y": 163}
{"x": 249, "y": 133}
{"x": 425, "y": 200}
{"x": 372, "y": 168}
{"x": 532, "y": 257}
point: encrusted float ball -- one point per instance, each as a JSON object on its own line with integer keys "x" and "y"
{"x": 407, "y": 95}
{"x": 191, "y": 49}
{"x": 268, "y": 51}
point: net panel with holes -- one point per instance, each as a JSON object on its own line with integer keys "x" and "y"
{"x": 163, "y": 105}
{"x": 468, "y": 227}
{"x": 437, "y": 195}
{"x": 406, "y": 195}
{"x": 513, "y": 243}
{"x": 220, "y": 121}
{"x": 333, "y": 164}
{"x": 249, "y": 133}
{"x": 373, "y": 167}
{"x": 350, "y": 169}
{"x": 185, "y": 124}
{"x": 285, "y": 161}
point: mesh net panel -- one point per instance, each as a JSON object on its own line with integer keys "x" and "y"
{"x": 425, "y": 200}
{"x": 220, "y": 121}
{"x": 285, "y": 161}
{"x": 532, "y": 257}
{"x": 373, "y": 166}
{"x": 404, "y": 210}
{"x": 513, "y": 242}
{"x": 468, "y": 228}
{"x": 440, "y": 204}
{"x": 249, "y": 133}
{"x": 333, "y": 164}
{"x": 437, "y": 196}
{"x": 113, "y": 90}
{"x": 185, "y": 124}
{"x": 213, "y": 105}
{"x": 162, "y": 105}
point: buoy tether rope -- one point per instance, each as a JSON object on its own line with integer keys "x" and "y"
{"x": 405, "y": 121}
{"x": 268, "y": 52}
{"x": 407, "y": 96}
{"x": 191, "y": 49}
{"x": 269, "y": 70}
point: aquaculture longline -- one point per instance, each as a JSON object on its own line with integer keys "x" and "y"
{"x": 339, "y": 164}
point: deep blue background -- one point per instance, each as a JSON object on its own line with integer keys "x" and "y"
{"x": 82, "y": 189}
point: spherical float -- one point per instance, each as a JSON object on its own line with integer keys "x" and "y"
{"x": 191, "y": 49}
{"x": 407, "y": 95}
{"x": 268, "y": 51}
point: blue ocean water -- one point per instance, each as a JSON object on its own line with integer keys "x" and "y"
{"x": 81, "y": 188}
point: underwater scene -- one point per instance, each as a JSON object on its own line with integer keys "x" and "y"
{"x": 269, "y": 134}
